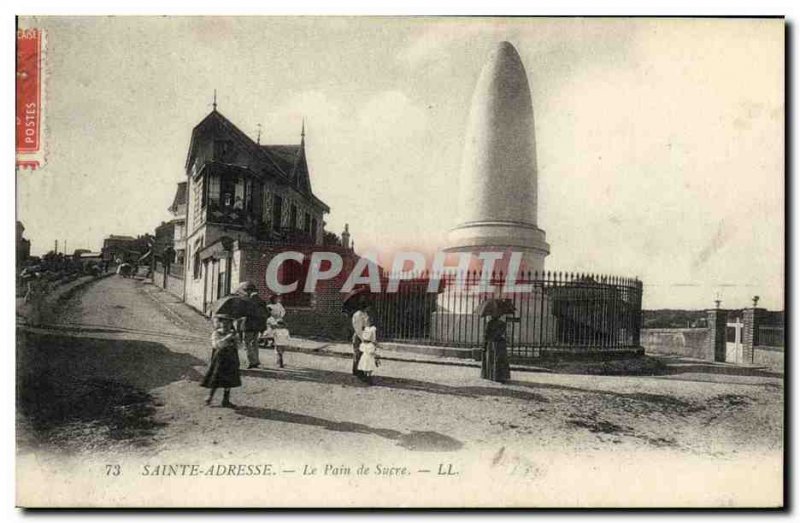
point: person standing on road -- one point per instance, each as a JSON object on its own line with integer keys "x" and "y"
{"x": 275, "y": 308}
{"x": 369, "y": 351}
{"x": 223, "y": 369}
{"x": 274, "y": 323}
{"x": 360, "y": 321}
{"x": 250, "y": 328}
{"x": 494, "y": 365}
{"x": 281, "y": 339}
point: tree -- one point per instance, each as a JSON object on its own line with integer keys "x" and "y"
{"x": 331, "y": 239}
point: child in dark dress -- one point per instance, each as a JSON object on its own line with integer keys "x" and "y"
{"x": 223, "y": 370}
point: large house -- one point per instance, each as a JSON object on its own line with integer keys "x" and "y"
{"x": 243, "y": 201}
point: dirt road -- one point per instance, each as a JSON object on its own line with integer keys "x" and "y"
{"x": 123, "y": 381}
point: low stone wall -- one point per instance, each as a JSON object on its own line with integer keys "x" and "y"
{"x": 768, "y": 356}
{"x": 692, "y": 343}
{"x": 41, "y": 307}
{"x": 174, "y": 284}
{"x": 308, "y": 323}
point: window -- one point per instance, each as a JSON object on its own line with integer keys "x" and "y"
{"x": 196, "y": 267}
{"x": 213, "y": 188}
{"x": 277, "y": 213}
{"x": 222, "y": 279}
{"x": 307, "y": 223}
{"x": 314, "y": 229}
{"x": 198, "y": 203}
{"x": 293, "y": 218}
{"x": 248, "y": 194}
{"x": 227, "y": 188}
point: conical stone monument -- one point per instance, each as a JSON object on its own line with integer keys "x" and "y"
{"x": 497, "y": 206}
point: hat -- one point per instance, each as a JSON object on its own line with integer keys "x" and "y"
{"x": 247, "y": 286}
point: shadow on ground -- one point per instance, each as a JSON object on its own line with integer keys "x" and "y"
{"x": 631, "y": 403}
{"x": 635, "y": 402}
{"x": 424, "y": 441}
{"x": 677, "y": 365}
{"x": 348, "y": 380}
{"x": 653, "y": 366}
{"x": 81, "y": 393}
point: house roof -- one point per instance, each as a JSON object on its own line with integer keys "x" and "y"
{"x": 120, "y": 237}
{"x": 180, "y": 197}
{"x": 286, "y": 162}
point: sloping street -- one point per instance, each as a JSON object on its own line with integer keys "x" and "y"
{"x": 119, "y": 376}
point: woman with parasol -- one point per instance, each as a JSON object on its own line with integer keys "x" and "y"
{"x": 250, "y": 315}
{"x": 494, "y": 364}
{"x": 223, "y": 370}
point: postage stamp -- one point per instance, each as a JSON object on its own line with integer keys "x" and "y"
{"x": 400, "y": 262}
{"x": 30, "y": 148}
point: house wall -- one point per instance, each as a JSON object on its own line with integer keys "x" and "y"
{"x": 291, "y": 197}
{"x": 174, "y": 284}
{"x": 323, "y": 317}
{"x": 193, "y": 291}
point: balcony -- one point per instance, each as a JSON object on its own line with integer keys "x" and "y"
{"x": 231, "y": 215}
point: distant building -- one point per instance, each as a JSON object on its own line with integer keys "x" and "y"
{"x": 173, "y": 232}
{"x": 126, "y": 248}
{"x": 23, "y": 245}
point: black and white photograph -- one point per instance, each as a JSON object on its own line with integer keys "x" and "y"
{"x": 400, "y": 262}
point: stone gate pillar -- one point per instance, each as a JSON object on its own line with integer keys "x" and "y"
{"x": 715, "y": 342}
{"x": 753, "y": 318}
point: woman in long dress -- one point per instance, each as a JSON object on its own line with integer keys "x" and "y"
{"x": 223, "y": 370}
{"x": 494, "y": 365}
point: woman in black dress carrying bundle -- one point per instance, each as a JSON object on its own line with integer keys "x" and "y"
{"x": 494, "y": 365}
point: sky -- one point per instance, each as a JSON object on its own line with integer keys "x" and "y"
{"x": 660, "y": 143}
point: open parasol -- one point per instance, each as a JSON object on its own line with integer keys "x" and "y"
{"x": 495, "y": 307}
{"x": 354, "y": 299}
{"x": 237, "y": 306}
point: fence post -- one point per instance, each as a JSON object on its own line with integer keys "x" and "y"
{"x": 715, "y": 342}
{"x": 637, "y": 326}
{"x": 752, "y": 320}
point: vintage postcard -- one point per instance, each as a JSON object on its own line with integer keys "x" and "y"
{"x": 400, "y": 262}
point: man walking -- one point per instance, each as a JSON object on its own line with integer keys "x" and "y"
{"x": 359, "y": 323}
{"x": 252, "y": 326}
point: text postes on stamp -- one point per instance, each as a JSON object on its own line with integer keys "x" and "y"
{"x": 29, "y": 95}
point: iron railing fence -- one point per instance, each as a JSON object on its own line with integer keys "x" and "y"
{"x": 770, "y": 336}
{"x": 556, "y": 312}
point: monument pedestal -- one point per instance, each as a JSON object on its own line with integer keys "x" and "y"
{"x": 502, "y": 236}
